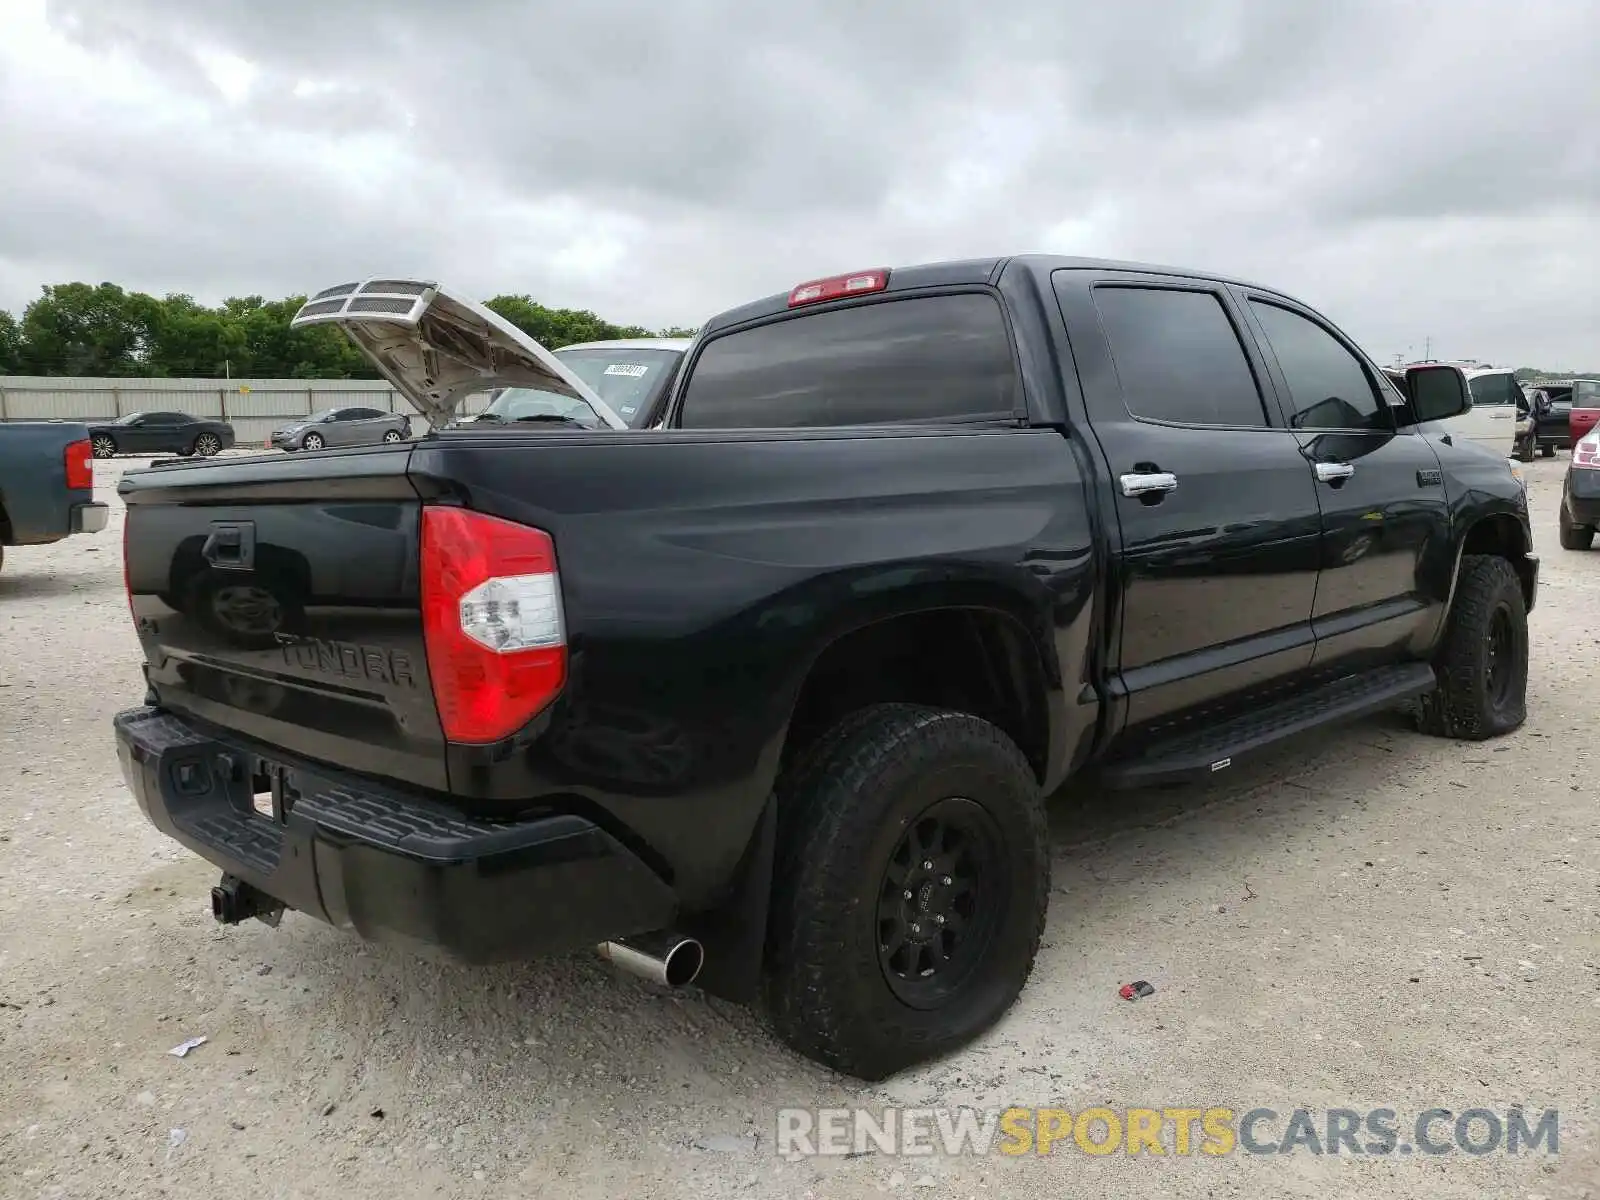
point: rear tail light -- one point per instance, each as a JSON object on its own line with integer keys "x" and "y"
{"x": 80, "y": 464}
{"x": 492, "y": 621}
{"x": 1586, "y": 452}
{"x": 858, "y": 284}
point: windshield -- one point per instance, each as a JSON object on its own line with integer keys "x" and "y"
{"x": 627, "y": 380}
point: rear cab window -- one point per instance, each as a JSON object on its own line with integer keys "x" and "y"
{"x": 912, "y": 359}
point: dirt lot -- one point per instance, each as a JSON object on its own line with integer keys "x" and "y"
{"x": 1369, "y": 919}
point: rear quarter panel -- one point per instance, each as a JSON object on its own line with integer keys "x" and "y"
{"x": 703, "y": 574}
{"x": 35, "y": 502}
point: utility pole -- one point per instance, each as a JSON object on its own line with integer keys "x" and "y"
{"x": 1427, "y": 349}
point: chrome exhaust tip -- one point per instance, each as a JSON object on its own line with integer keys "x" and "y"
{"x": 665, "y": 958}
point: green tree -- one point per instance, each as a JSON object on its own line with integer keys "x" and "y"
{"x": 677, "y": 331}
{"x": 557, "y": 327}
{"x": 79, "y": 329}
{"x": 10, "y": 344}
{"x": 101, "y": 330}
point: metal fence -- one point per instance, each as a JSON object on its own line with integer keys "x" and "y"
{"x": 254, "y": 407}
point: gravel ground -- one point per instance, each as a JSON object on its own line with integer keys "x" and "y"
{"x": 1369, "y": 918}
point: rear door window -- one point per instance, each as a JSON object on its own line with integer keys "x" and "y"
{"x": 1489, "y": 391}
{"x": 919, "y": 359}
{"x": 1178, "y": 357}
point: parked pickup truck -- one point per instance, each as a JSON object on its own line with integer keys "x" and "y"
{"x": 771, "y": 698}
{"x": 46, "y": 484}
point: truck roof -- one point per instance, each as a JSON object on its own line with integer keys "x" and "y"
{"x": 644, "y": 343}
{"x": 974, "y": 270}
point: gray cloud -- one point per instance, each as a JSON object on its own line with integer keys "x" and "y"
{"x": 1421, "y": 169}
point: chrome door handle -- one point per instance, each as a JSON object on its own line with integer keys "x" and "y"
{"x": 1334, "y": 472}
{"x": 1143, "y": 485}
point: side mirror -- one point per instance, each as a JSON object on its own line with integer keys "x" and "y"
{"x": 1436, "y": 393}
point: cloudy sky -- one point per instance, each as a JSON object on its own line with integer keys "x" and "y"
{"x": 1417, "y": 169}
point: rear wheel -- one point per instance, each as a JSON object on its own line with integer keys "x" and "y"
{"x": 207, "y": 444}
{"x": 392, "y": 436}
{"x": 1573, "y": 535}
{"x": 103, "y": 446}
{"x": 1524, "y": 451}
{"x": 1547, "y": 450}
{"x": 1483, "y": 663}
{"x": 910, "y": 890}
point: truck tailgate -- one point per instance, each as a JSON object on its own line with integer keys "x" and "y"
{"x": 279, "y": 598}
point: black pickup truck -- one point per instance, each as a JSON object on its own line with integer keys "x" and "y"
{"x": 771, "y": 698}
{"x": 46, "y": 484}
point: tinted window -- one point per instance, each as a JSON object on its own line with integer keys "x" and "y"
{"x": 167, "y": 418}
{"x": 927, "y": 358}
{"x": 1328, "y": 386}
{"x": 1178, "y": 357}
{"x": 1493, "y": 390}
{"x": 363, "y": 414}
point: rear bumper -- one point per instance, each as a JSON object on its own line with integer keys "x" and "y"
{"x": 90, "y": 518}
{"x": 1582, "y": 496}
{"x": 394, "y": 866}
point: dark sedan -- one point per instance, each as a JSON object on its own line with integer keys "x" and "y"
{"x": 160, "y": 433}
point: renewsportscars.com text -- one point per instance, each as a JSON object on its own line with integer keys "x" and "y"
{"x": 1173, "y": 1130}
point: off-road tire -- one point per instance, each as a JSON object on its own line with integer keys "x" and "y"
{"x": 843, "y": 810}
{"x": 1573, "y": 535}
{"x": 1471, "y": 703}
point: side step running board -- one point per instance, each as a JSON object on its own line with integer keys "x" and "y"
{"x": 1199, "y": 753}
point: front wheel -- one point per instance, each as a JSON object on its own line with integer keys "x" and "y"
{"x": 1573, "y": 535}
{"x": 910, "y": 889}
{"x": 312, "y": 441}
{"x": 103, "y": 446}
{"x": 1483, "y": 662}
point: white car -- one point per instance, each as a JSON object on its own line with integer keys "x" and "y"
{"x": 1497, "y": 403}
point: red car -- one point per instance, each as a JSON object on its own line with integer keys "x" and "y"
{"x": 1585, "y": 407}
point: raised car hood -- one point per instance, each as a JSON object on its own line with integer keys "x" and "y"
{"x": 438, "y": 347}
